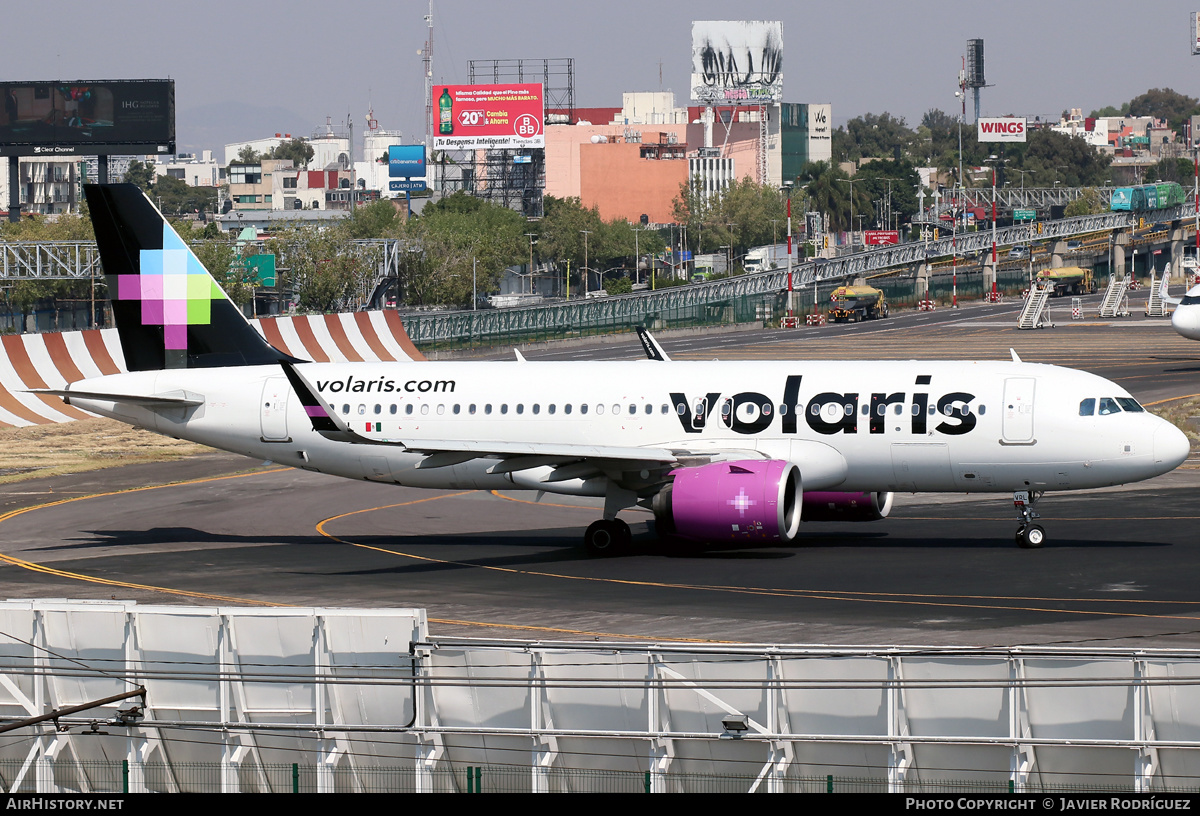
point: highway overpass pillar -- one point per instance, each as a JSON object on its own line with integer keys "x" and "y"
{"x": 989, "y": 273}
{"x": 1118, "y": 270}
{"x": 921, "y": 276}
{"x": 1057, "y": 248}
{"x": 1175, "y": 263}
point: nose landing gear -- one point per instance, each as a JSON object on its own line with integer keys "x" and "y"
{"x": 1030, "y": 536}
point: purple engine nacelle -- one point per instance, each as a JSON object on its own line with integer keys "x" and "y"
{"x": 823, "y": 506}
{"x": 755, "y": 499}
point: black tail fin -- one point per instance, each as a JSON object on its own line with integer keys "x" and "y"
{"x": 169, "y": 311}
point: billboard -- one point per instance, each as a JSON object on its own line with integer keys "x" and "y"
{"x": 1195, "y": 36}
{"x": 880, "y": 237}
{"x": 489, "y": 117}
{"x": 1005, "y": 129}
{"x": 737, "y": 62}
{"x": 87, "y": 117}
{"x": 406, "y": 161}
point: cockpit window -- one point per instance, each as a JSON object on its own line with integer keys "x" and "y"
{"x": 1087, "y": 407}
{"x": 1189, "y": 300}
{"x": 1108, "y": 405}
{"x": 1130, "y": 405}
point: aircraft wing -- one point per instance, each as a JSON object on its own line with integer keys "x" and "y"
{"x": 513, "y": 455}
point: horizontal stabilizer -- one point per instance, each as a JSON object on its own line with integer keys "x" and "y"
{"x": 173, "y": 399}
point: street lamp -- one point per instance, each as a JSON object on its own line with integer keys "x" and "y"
{"x": 586, "y": 233}
{"x": 994, "y": 160}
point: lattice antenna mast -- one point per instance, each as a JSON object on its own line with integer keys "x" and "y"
{"x": 427, "y": 60}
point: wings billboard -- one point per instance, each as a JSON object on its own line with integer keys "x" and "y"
{"x": 489, "y": 117}
{"x": 87, "y": 117}
{"x": 737, "y": 62}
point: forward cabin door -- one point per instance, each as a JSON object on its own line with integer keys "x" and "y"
{"x": 1017, "y": 419}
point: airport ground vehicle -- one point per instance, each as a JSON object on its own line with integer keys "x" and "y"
{"x": 728, "y": 452}
{"x": 856, "y": 303}
{"x": 1069, "y": 280}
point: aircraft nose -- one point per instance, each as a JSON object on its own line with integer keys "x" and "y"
{"x": 1171, "y": 446}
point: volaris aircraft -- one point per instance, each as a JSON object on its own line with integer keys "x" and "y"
{"x": 719, "y": 451}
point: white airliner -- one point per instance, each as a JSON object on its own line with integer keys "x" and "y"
{"x": 1185, "y": 319}
{"x": 720, "y": 451}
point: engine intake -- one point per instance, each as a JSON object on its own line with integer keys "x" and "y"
{"x": 746, "y": 500}
{"x": 827, "y": 506}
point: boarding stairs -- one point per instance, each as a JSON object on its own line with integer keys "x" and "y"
{"x": 1034, "y": 314}
{"x": 1156, "y": 306}
{"x": 1116, "y": 298}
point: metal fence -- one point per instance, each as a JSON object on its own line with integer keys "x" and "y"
{"x": 71, "y": 776}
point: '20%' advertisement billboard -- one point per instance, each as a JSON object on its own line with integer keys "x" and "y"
{"x": 488, "y": 117}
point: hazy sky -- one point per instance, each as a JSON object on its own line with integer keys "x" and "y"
{"x": 249, "y": 68}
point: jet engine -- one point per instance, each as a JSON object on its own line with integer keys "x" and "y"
{"x": 827, "y": 506}
{"x": 746, "y": 500}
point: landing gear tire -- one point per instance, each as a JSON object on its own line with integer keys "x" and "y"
{"x": 1031, "y": 536}
{"x": 604, "y": 537}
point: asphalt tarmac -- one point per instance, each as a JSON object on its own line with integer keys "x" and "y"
{"x": 1118, "y": 568}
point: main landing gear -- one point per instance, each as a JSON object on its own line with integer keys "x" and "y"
{"x": 1030, "y": 536}
{"x": 607, "y": 537}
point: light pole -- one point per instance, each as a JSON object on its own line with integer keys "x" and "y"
{"x": 994, "y": 160}
{"x": 851, "y": 183}
{"x": 531, "y": 236}
{"x": 586, "y": 233}
{"x": 787, "y": 186}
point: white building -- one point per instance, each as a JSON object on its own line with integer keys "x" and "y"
{"x": 201, "y": 171}
{"x": 45, "y": 186}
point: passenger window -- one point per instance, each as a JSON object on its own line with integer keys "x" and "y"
{"x": 849, "y": 409}
{"x": 378, "y": 409}
{"x": 816, "y": 409}
{"x": 457, "y": 407}
{"x": 726, "y": 407}
{"x": 346, "y": 410}
{"x": 520, "y": 407}
{"x": 666, "y": 409}
{"x": 766, "y": 409}
{"x": 582, "y": 408}
{"x": 1108, "y": 405}
{"x": 537, "y": 409}
{"x": 982, "y": 410}
{"x": 1087, "y": 407}
{"x": 567, "y": 408}
{"x": 487, "y": 409}
{"x": 632, "y": 409}
{"x": 504, "y": 408}
{"x": 392, "y": 408}
{"x": 916, "y": 409}
{"x": 783, "y": 409}
{"x": 550, "y": 409}
{"x": 425, "y": 409}
{"x": 616, "y": 409}
{"x": 649, "y": 408}
{"x": 408, "y": 408}
{"x": 681, "y": 409}
{"x": 600, "y": 409}
{"x": 898, "y": 410}
{"x": 441, "y": 409}
{"x": 362, "y": 410}
{"x": 471, "y": 408}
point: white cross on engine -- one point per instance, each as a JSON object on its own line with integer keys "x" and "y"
{"x": 742, "y": 502}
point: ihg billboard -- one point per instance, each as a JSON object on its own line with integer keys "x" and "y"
{"x": 87, "y": 117}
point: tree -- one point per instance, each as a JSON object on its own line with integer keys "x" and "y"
{"x": 248, "y": 155}
{"x": 1087, "y": 204}
{"x": 1164, "y": 103}
{"x": 829, "y": 192}
{"x": 176, "y": 197}
{"x": 877, "y": 136}
{"x": 1180, "y": 170}
{"x": 901, "y": 189}
{"x": 299, "y": 151}
{"x": 140, "y": 173}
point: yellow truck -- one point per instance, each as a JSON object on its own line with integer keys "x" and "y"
{"x": 1069, "y": 280}
{"x": 854, "y": 303}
